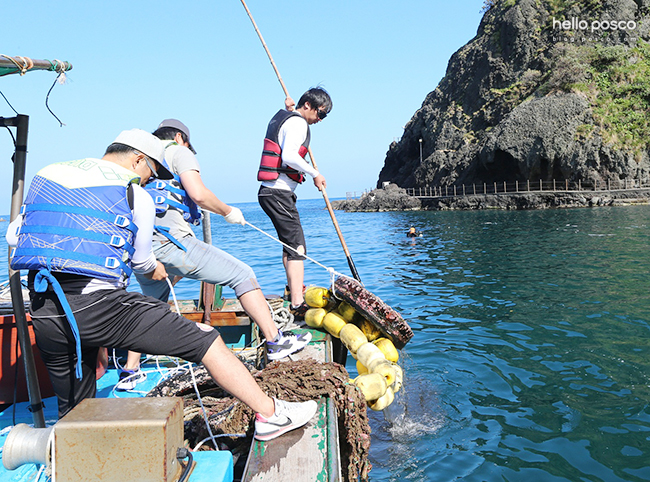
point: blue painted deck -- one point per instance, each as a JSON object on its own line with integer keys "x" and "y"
{"x": 210, "y": 465}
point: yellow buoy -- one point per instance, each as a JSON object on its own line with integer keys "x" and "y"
{"x": 317, "y": 297}
{"x": 352, "y": 337}
{"x": 333, "y": 323}
{"x": 372, "y": 385}
{"x": 361, "y": 369}
{"x": 388, "y": 349}
{"x": 314, "y": 317}
{"x": 383, "y": 401}
{"x": 370, "y": 330}
{"x": 386, "y": 370}
{"x": 346, "y": 311}
{"x": 399, "y": 378}
{"x": 368, "y": 354}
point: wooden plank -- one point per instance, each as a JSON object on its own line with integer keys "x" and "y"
{"x": 230, "y": 314}
{"x": 302, "y": 454}
{"x": 220, "y": 319}
{"x": 311, "y": 452}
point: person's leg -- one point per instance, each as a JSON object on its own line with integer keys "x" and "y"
{"x": 295, "y": 277}
{"x": 153, "y": 328}
{"x": 278, "y": 344}
{"x": 230, "y": 374}
{"x": 56, "y": 345}
{"x": 204, "y": 262}
{"x": 254, "y": 304}
{"x": 280, "y": 206}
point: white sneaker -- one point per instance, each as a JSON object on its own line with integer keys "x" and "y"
{"x": 286, "y": 343}
{"x": 288, "y": 416}
{"x": 130, "y": 378}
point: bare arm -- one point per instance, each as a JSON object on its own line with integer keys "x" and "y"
{"x": 201, "y": 195}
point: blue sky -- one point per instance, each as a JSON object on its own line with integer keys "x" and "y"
{"x": 137, "y": 62}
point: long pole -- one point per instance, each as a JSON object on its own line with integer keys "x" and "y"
{"x": 21, "y": 122}
{"x": 353, "y": 268}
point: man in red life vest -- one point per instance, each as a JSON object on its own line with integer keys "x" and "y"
{"x": 282, "y": 168}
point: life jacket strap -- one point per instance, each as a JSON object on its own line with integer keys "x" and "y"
{"x": 109, "y": 262}
{"x": 165, "y": 232}
{"x": 117, "y": 220}
{"x": 44, "y": 278}
{"x": 112, "y": 240}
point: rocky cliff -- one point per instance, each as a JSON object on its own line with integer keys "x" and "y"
{"x": 548, "y": 89}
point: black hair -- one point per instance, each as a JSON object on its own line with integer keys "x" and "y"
{"x": 317, "y": 98}
{"x": 169, "y": 133}
{"x": 117, "y": 148}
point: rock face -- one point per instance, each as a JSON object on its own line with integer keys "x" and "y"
{"x": 541, "y": 93}
{"x": 391, "y": 198}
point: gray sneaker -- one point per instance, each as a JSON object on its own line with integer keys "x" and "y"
{"x": 288, "y": 416}
{"x": 286, "y": 343}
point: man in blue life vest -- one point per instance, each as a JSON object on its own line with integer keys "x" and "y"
{"x": 177, "y": 248}
{"x": 282, "y": 168}
{"x": 84, "y": 227}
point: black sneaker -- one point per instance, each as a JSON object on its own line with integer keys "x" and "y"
{"x": 286, "y": 343}
{"x": 300, "y": 310}
{"x": 129, "y": 379}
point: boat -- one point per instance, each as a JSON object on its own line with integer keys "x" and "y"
{"x": 178, "y": 425}
{"x": 309, "y": 453}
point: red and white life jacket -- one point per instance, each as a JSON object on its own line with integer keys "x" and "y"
{"x": 271, "y": 164}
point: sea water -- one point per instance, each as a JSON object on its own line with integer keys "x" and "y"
{"x": 530, "y": 359}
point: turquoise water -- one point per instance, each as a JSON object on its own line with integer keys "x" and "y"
{"x": 531, "y": 354}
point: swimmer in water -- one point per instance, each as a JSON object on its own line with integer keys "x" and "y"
{"x": 413, "y": 233}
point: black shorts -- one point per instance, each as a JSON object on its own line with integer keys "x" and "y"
{"x": 113, "y": 319}
{"x": 280, "y": 206}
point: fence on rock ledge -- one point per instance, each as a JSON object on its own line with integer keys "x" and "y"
{"x": 527, "y": 186}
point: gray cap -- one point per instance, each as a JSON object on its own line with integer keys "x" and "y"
{"x": 176, "y": 124}
{"x": 148, "y": 144}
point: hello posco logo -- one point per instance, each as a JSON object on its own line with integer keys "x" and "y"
{"x": 594, "y": 26}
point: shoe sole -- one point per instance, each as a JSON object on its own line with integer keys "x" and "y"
{"x": 274, "y": 357}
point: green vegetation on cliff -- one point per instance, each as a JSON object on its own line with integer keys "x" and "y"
{"x": 616, "y": 81}
{"x": 547, "y": 89}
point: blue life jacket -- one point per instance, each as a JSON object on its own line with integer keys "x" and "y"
{"x": 77, "y": 220}
{"x": 171, "y": 195}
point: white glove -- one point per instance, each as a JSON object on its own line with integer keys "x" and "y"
{"x": 235, "y": 216}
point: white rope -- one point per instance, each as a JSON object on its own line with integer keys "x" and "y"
{"x": 294, "y": 250}
{"x": 189, "y": 366}
{"x": 333, "y": 273}
{"x": 23, "y": 69}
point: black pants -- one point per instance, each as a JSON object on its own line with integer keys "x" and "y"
{"x": 109, "y": 318}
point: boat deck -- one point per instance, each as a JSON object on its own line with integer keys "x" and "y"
{"x": 308, "y": 453}
{"x": 210, "y": 465}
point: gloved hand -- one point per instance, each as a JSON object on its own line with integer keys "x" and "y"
{"x": 235, "y": 216}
